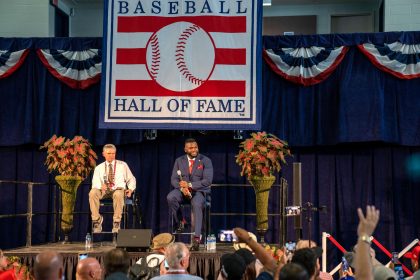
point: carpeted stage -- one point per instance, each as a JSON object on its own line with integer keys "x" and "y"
{"x": 202, "y": 263}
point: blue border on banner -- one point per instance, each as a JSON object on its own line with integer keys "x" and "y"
{"x": 106, "y": 82}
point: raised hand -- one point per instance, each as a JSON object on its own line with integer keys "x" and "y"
{"x": 368, "y": 223}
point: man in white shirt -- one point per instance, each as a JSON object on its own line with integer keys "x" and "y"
{"x": 178, "y": 257}
{"x": 112, "y": 178}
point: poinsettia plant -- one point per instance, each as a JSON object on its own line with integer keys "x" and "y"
{"x": 275, "y": 252}
{"x": 262, "y": 154}
{"x": 70, "y": 157}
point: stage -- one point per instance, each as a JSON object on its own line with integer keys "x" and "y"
{"x": 202, "y": 263}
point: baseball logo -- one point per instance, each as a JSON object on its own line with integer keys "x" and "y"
{"x": 185, "y": 61}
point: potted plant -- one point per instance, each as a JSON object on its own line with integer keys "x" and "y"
{"x": 73, "y": 159}
{"x": 260, "y": 156}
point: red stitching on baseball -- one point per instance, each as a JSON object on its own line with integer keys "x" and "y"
{"x": 179, "y": 53}
{"x": 155, "y": 56}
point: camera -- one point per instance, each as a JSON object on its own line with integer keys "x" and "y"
{"x": 227, "y": 236}
{"x": 290, "y": 246}
{"x": 293, "y": 210}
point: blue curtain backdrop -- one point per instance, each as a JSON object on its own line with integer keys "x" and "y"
{"x": 353, "y": 133}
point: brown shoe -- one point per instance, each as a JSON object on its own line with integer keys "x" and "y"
{"x": 116, "y": 227}
{"x": 97, "y": 225}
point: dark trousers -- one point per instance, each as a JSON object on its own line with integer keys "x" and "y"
{"x": 175, "y": 198}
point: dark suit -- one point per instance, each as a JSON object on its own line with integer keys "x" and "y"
{"x": 201, "y": 178}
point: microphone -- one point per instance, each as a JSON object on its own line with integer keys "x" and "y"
{"x": 180, "y": 178}
{"x": 179, "y": 174}
{"x": 105, "y": 179}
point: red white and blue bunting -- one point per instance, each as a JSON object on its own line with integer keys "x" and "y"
{"x": 400, "y": 60}
{"x": 11, "y": 61}
{"x": 77, "y": 69}
{"x": 305, "y": 66}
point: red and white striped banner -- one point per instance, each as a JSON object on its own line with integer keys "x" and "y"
{"x": 182, "y": 64}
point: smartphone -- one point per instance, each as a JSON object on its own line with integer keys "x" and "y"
{"x": 394, "y": 259}
{"x": 344, "y": 264}
{"x": 293, "y": 210}
{"x": 166, "y": 265}
{"x": 399, "y": 271}
{"x": 397, "y": 266}
{"x": 227, "y": 236}
{"x": 290, "y": 246}
{"x": 83, "y": 256}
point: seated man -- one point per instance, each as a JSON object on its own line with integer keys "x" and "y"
{"x": 192, "y": 176}
{"x": 110, "y": 179}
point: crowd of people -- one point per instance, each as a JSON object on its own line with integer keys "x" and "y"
{"x": 252, "y": 261}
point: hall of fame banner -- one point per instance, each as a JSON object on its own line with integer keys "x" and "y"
{"x": 181, "y": 64}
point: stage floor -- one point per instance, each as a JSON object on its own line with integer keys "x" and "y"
{"x": 202, "y": 263}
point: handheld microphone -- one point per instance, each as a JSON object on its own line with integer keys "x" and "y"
{"x": 179, "y": 174}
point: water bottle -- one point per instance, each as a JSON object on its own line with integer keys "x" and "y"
{"x": 208, "y": 242}
{"x": 213, "y": 243}
{"x": 88, "y": 242}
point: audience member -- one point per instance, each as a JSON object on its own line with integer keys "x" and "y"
{"x": 258, "y": 266}
{"x": 304, "y": 243}
{"x": 116, "y": 264}
{"x": 88, "y": 269}
{"x": 413, "y": 255}
{"x": 365, "y": 229}
{"x": 158, "y": 247}
{"x": 293, "y": 271}
{"x": 5, "y": 273}
{"x": 233, "y": 267}
{"x": 308, "y": 258}
{"x": 48, "y": 266}
{"x": 250, "y": 262}
{"x": 269, "y": 263}
{"x": 178, "y": 258}
{"x": 381, "y": 272}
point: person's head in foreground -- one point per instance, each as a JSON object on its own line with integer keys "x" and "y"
{"x": 293, "y": 271}
{"x": 308, "y": 258}
{"x": 233, "y": 267}
{"x": 116, "y": 261}
{"x": 48, "y": 266}
{"x": 177, "y": 256}
{"x": 413, "y": 255}
{"x": 88, "y": 268}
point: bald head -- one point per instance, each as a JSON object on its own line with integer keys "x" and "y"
{"x": 88, "y": 268}
{"x": 48, "y": 266}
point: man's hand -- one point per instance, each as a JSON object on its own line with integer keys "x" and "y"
{"x": 243, "y": 235}
{"x": 186, "y": 192}
{"x": 104, "y": 188}
{"x": 128, "y": 192}
{"x": 367, "y": 224}
{"x": 183, "y": 184}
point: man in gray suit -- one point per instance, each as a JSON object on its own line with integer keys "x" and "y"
{"x": 191, "y": 178}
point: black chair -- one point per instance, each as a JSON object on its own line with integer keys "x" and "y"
{"x": 185, "y": 208}
{"x": 131, "y": 206}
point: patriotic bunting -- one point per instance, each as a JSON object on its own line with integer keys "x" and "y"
{"x": 77, "y": 69}
{"x": 11, "y": 61}
{"x": 400, "y": 60}
{"x": 305, "y": 66}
